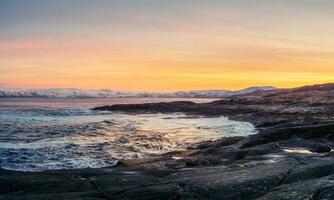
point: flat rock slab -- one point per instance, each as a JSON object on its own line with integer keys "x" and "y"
{"x": 123, "y": 183}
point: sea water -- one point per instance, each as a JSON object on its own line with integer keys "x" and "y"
{"x": 39, "y": 134}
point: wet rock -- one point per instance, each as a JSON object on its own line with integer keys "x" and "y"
{"x": 321, "y": 189}
{"x": 322, "y": 149}
{"x": 190, "y": 162}
{"x": 325, "y": 131}
{"x": 218, "y": 143}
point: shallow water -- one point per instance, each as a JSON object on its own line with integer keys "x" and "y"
{"x": 59, "y": 133}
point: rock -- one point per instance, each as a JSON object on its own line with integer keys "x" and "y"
{"x": 227, "y": 141}
{"x": 190, "y": 162}
{"x": 322, "y": 149}
{"x": 324, "y": 130}
{"x": 321, "y": 189}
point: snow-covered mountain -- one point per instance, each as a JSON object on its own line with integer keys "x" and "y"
{"x": 220, "y": 93}
{"x": 72, "y": 92}
{"x": 16, "y": 92}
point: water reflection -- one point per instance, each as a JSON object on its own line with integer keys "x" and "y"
{"x": 44, "y": 137}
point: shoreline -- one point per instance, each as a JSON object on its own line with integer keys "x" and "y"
{"x": 243, "y": 167}
{"x": 291, "y": 157}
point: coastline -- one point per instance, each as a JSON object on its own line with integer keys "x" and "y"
{"x": 229, "y": 168}
{"x": 290, "y": 158}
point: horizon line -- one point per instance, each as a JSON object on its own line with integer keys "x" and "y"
{"x": 175, "y": 91}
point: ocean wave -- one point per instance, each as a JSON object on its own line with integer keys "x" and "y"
{"x": 44, "y": 138}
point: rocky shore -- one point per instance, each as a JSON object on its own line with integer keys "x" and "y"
{"x": 290, "y": 158}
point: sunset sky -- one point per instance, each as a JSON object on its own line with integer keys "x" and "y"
{"x": 165, "y": 45}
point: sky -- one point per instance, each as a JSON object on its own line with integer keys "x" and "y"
{"x": 160, "y": 45}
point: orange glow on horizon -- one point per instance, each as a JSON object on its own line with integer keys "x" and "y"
{"x": 222, "y": 45}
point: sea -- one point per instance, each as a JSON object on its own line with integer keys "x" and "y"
{"x": 38, "y": 134}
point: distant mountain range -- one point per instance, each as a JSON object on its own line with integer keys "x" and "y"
{"x": 81, "y": 93}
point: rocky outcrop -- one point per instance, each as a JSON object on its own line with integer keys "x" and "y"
{"x": 264, "y": 109}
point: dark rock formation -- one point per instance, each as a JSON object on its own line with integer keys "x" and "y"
{"x": 303, "y": 105}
